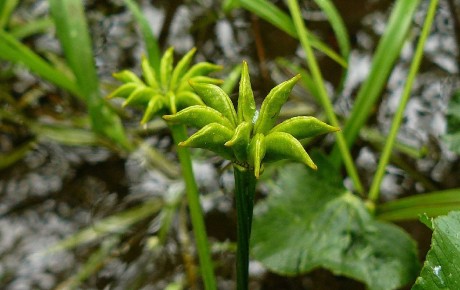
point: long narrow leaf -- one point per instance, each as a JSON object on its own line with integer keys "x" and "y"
{"x": 73, "y": 34}
{"x": 151, "y": 43}
{"x": 31, "y": 28}
{"x": 6, "y": 8}
{"x": 388, "y": 51}
{"x": 272, "y": 14}
{"x": 338, "y": 26}
{"x": 433, "y": 204}
{"x": 14, "y": 51}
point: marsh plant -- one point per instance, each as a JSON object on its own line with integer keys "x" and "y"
{"x": 164, "y": 91}
{"x": 248, "y": 138}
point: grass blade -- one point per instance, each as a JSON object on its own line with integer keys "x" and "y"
{"x": 73, "y": 34}
{"x": 118, "y": 223}
{"x": 151, "y": 43}
{"x": 388, "y": 51}
{"x": 14, "y": 51}
{"x": 322, "y": 93}
{"x": 337, "y": 24}
{"x": 6, "y": 8}
{"x": 31, "y": 28}
{"x": 396, "y": 123}
{"x": 272, "y": 14}
{"x": 433, "y": 204}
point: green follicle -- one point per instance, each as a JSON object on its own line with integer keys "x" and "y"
{"x": 201, "y": 69}
{"x": 181, "y": 67}
{"x": 155, "y": 105}
{"x": 240, "y": 140}
{"x": 302, "y": 127}
{"x": 246, "y": 103}
{"x": 140, "y": 96}
{"x": 123, "y": 91}
{"x": 280, "y": 145}
{"x": 149, "y": 73}
{"x": 166, "y": 67}
{"x": 214, "y": 97}
{"x": 198, "y": 117}
{"x": 272, "y": 104}
{"x": 257, "y": 151}
{"x": 127, "y": 76}
{"x": 211, "y": 137}
{"x": 186, "y": 99}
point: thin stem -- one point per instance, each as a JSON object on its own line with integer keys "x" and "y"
{"x": 179, "y": 134}
{"x": 386, "y": 154}
{"x": 322, "y": 93}
{"x": 245, "y": 185}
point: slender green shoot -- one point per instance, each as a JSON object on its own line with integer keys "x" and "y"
{"x": 388, "y": 51}
{"x": 410, "y": 208}
{"x": 386, "y": 154}
{"x": 272, "y": 14}
{"x": 245, "y": 184}
{"x": 151, "y": 43}
{"x": 179, "y": 134}
{"x": 73, "y": 33}
{"x": 6, "y": 8}
{"x": 322, "y": 93}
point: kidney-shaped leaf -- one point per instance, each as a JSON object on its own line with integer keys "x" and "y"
{"x": 310, "y": 220}
{"x": 442, "y": 266}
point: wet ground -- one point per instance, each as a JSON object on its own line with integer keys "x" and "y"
{"x": 56, "y": 190}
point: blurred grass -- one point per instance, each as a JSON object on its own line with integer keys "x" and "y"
{"x": 387, "y": 52}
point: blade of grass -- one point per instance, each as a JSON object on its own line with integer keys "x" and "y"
{"x": 14, "y": 156}
{"x": 325, "y": 101}
{"x": 387, "y": 52}
{"x": 337, "y": 25}
{"x": 14, "y": 51}
{"x": 433, "y": 203}
{"x": 6, "y": 8}
{"x": 272, "y": 14}
{"x": 31, "y": 28}
{"x": 396, "y": 123}
{"x": 118, "y": 223}
{"x": 72, "y": 30}
{"x": 93, "y": 264}
{"x": 151, "y": 43}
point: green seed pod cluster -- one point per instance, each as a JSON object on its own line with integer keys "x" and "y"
{"x": 168, "y": 91}
{"x": 248, "y": 137}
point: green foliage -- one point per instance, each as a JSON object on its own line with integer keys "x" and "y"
{"x": 441, "y": 269}
{"x": 310, "y": 220}
{"x": 452, "y": 136}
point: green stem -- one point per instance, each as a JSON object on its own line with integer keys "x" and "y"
{"x": 386, "y": 154}
{"x": 179, "y": 134}
{"x": 245, "y": 186}
{"x": 303, "y": 33}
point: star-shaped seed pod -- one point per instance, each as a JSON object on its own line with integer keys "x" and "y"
{"x": 167, "y": 92}
{"x": 248, "y": 137}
